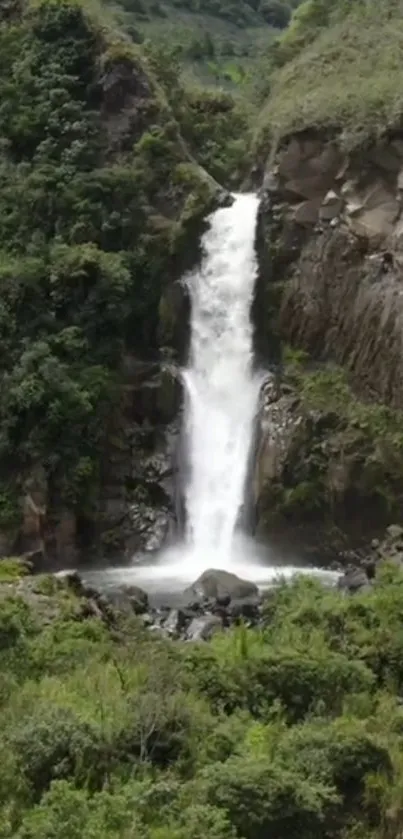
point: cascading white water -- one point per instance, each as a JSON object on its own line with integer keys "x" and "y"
{"x": 222, "y": 390}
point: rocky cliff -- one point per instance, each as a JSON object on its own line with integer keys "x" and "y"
{"x": 329, "y": 149}
{"x": 331, "y": 250}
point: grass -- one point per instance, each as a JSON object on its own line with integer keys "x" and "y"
{"x": 348, "y": 78}
{"x": 13, "y": 569}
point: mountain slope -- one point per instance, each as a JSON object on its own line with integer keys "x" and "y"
{"x": 218, "y": 41}
{"x": 341, "y": 69}
{"x": 99, "y": 196}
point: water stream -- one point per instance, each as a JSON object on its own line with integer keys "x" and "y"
{"x": 221, "y": 385}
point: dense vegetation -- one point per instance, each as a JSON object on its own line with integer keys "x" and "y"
{"x": 99, "y": 196}
{"x": 355, "y": 447}
{"x": 295, "y": 729}
{"x": 337, "y": 66}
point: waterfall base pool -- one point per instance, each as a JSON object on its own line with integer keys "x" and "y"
{"x": 172, "y": 571}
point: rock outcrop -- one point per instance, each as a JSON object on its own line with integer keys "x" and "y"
{"x": 329, "y": 472}
{"x": 331, "y": 253}
{"x": 333, "y": 231}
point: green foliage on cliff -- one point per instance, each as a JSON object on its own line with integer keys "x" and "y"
{"x": 347, "y": 464}
{"x": 94, "y": 215}
{"x": 338, "y": 66}
{"x": 295, "y": 729}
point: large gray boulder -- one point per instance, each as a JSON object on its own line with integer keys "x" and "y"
{"x": 202, "y": 628}
{"x": 128, "y": 599}
{"x": 215, "y": 584}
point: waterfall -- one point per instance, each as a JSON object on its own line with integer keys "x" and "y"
{"x": 221, "y": 388}
{"x": 220, "y": 406}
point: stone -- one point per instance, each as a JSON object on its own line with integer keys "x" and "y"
{"x": 308, "y": 168}
{"x": 270, "y": 182}
{"x": 36, "y": 560}
{"x": 311, "y": 188}
{"x": 202, "y": 628}
{"x": 247, "y": 607}
{"x": 354, "y": 580}
{"x": 307, "y": 212}
{"x": 387, "y": 158}
{"x": 175, "y": 621}
{"x": 74, "y": 582}
{"x": 61, "y": 543}
{"x": 373, "y": 213}
{"x": 397, "y": 238}
{"x": 375, "y": 224}
{"x": 223, "y": 600}
{"x": 138, "y": 599}
{"x": 215, "y": 583}
{"x": 394, "y": 532}
{"x": 331, "y": 206}
{"x": 369, "y": 565}
{"x": 128, "y": 599}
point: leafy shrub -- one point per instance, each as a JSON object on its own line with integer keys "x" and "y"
{"x": 340, "y": 753}
{"x": 55, "y": 744}
{"x": 262, "y": 798}
{"x": 297, "y": 679}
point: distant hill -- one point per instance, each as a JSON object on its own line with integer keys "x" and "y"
{"x": 218, "y": 41}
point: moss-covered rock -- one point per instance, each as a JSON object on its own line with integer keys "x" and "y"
{"x": 328, "y": 464}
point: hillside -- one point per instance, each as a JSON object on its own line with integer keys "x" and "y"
{"x": 101, "y": 203}
{"x": 217, "y": 41}
{"x": 337, "y": 67}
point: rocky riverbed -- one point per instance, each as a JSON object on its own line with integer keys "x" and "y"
{"x": 218, "y": 599}
{"x": 215, "y": 601}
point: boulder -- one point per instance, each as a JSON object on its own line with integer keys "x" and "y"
{"x": 307, "y": 212}
{"x": 246, "y": 607}
{"x": 213, "y": 584}
{"x": 332, "y": 206}
{"x": 128, "y": 599}
{"x": 354, "y": 580}
{"x": 176, "y": 621}
{"x": 202, "y": 628}
{"x": 375, "y": 224}
{"x": 378, "y": 213}
{"x": 388, "y": 157}
{"x": 394, "y": 532}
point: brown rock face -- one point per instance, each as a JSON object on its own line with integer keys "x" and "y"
{"x": 126, "y": 103}
{"x": 338, "y": 257}
{"x": 331, "y": 245}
